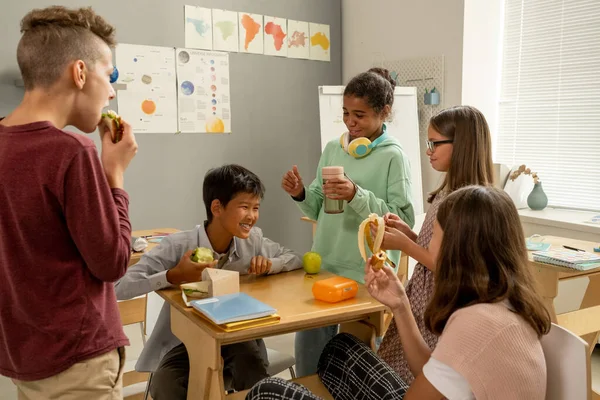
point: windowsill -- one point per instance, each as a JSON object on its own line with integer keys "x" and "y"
{"x": 561, "y": 218}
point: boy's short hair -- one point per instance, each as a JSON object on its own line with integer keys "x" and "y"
{"x": 55, "y": 36}
{"x": 225, "y": 182}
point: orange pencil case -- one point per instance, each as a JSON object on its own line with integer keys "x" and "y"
{"x": 335, "y": 289}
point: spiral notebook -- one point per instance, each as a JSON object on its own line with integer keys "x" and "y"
{"x": 579, "y": 260}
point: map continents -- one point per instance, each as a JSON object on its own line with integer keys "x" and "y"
{"x": 225, "y": 30}
{"x": 298, "y": 39}
{"x": 198, "y": 28}
{"x": 226, "y": 27}
{"x": 275, "y": 35}
{"x": 251, "y": 33}
{"x": 319, "y": 42}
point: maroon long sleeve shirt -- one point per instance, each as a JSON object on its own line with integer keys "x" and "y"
{"x": 64, "y": 238}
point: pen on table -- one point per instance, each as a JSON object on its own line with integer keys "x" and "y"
{"x": 572, "y": 248}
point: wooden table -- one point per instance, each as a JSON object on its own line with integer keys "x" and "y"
{"x": 584, "y": 322}
{"x": 290, "y": 293}
{"x": 136, "y": 255}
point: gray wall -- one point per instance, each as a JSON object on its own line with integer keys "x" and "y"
{"x": 274, "y": 105}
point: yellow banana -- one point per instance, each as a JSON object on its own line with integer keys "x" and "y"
{"x": 364, "y": 232}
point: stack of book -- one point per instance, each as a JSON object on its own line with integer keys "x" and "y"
{"x": 234, "y": 312}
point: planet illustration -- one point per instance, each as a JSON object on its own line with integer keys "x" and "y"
{"x": 213, "y": 88}
{"x": 148, "y": 107}
{"x": 215, "y": 125}
{"x": 114, "y": 75}
{"x": 147, "y": 79}
{"x": 187, "y": 88}
{"x": 183, "y": 57}
{"x": 214, "y": 101}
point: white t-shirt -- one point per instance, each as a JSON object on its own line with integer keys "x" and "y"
{"x": 447, "y": 381}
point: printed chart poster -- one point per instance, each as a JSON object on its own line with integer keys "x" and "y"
{"x": 320, "y": 44}
{"x": 251, "y": 33}
{"x": 203, "y": 93}
{"x": 298, "y": 39}
{"x": 275, "y": 36}
{"x": 225, "y": 30}
{"x": 150, "y": 102}
{"x": 198, "y": 28}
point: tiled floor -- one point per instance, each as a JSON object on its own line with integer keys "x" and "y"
{"x": 283, "y": 343}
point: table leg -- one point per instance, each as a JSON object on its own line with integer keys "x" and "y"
{"x": 206, "y": 365}
{"x": 367, "y": 329}
{"x": 547, "y": 281}
{"x": 591, "y": 299}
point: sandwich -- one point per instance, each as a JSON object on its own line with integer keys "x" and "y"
{"x": 115, "y": 124}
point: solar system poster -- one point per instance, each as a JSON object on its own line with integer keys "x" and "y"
{"x": 149, "y": 102}
{"x": 203, "y": 93}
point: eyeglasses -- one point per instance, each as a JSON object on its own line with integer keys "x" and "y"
{"x": 431, "y": 145}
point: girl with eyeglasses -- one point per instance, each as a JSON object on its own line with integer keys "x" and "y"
{"x": 458, "y": 143}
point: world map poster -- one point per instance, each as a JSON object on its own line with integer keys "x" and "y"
{"x": 320, "y": 42}
{"x": 203, "y": 95}
{"x": 275, "y": 36}
{"x": 298, "y": 40}
{"x": 251, "y": 33}
{"x": 198, "y": 28}
{"x": 225, "y": 30}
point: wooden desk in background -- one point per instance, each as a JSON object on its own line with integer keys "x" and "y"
{"x": 136, "y": 255}
{"x": 584, "y": 322}
{"x": 291, "y": 294}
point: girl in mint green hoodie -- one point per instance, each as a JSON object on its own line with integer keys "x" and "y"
{"x": 377, "y": 182}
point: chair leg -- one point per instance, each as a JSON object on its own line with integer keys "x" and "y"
{"x": 292, "y": 373}
{"x": 147, "y": 391}
{"x": 143, "y": 330}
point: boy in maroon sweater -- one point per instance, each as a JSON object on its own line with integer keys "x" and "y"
{"x": 65, "y": 231}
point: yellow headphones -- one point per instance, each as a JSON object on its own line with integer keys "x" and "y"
{"x": 361, "y": 146}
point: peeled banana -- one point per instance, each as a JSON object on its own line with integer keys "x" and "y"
{"x": 364, "y": 233}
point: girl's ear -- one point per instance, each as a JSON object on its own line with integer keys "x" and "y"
{"x": 386, "y": 112}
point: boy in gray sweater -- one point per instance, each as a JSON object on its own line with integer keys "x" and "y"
{"x": 232, "y": 196}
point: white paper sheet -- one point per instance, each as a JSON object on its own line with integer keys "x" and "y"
{"x": 298, "y": 39}
{"x": 275, "y": 36}
{"x": 320, "y": 42}
{"x": 149, "y": 104}
{"x": 203, "y": 93}
{"x": 225, "y": 30}
{"x": 198, "y": 28}
{"x": 251, "y": 33}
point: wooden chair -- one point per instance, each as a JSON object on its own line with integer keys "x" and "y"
{"x": 134, "y": 312}
{"x": 568, "y": 365}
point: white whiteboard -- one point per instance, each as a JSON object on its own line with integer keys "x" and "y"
{"x": 404, "y": 126}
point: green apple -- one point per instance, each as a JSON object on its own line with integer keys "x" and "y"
{"x": 311, "y": 262}
{"x": 202, "y": 255}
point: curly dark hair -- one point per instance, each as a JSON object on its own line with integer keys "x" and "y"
{"x": 376, "y": 86}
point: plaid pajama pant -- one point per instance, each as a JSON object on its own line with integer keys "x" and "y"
{"x": 348, "y": 368}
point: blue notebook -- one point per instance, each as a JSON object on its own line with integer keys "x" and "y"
{"x": 232, "y": 308}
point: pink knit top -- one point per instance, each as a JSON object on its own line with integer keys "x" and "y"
{"x": 496, "y": 351}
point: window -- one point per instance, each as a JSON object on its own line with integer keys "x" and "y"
{"x": 549, "y": 108}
